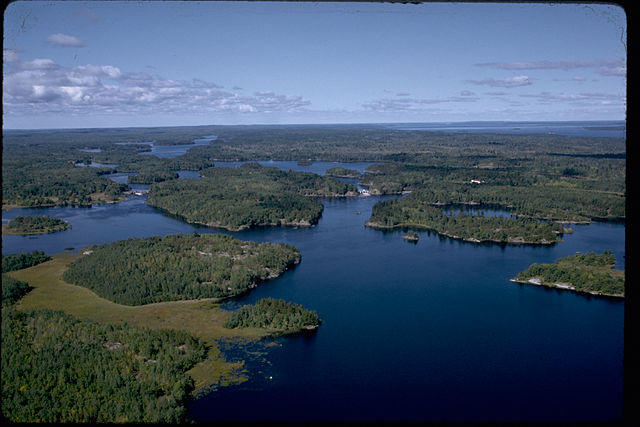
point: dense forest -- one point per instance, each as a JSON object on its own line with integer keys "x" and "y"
{"x": 274, "y": 315}
{"x": 14, "y": 262}
{"x": 414, "y": 213}
{"x": 56, "y": 368}
{"x": 12, "y": 290}
{"x": 178, "y": 267}
{"x": 248, "y": 196}
{"x": 39, "y": 224}
{"x": 592, "y": 273}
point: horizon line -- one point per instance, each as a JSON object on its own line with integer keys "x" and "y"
{"x": 317, "y": 124}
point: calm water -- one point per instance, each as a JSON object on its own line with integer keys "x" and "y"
{"x": 424, "y": 332}
{"x": 608, "y": 129}
{"x": 171, "y": 151}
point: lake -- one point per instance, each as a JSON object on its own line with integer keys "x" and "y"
{"x": 606, "y": 129}
{"x": 424, "y": 331}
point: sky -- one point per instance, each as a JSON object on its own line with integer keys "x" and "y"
{"x": 75, "y": 64}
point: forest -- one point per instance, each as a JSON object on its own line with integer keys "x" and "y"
{"x": 14, "y": 262}
{"x": 178, "y": 267}
{"x": 274, "y": 315}
{"x": 38, "y": 224}
{"x": 57, "y": 368}
{"x": 592, "y": 273}
{"x": 12, "y": 290}
{"x": 60, "y": 369}
{"x": 248, "y": 196}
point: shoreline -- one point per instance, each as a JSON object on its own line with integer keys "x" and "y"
{"x": 564, "y": 286}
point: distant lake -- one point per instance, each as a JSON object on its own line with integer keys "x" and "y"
{"x": 608, "y": 129}
{"x": 171, "y": 151}
{"x": 417, "y": 332}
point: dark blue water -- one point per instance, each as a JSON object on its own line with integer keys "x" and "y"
{"x": 608, "y": 129}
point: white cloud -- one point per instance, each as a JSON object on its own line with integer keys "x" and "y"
{"x": 586, "y": 98}
{"x": 605, "y": 67}
{"x": 413, "y": 104}
{"x": 42, "y": 86}
{"x": 64, "y": 40}
{"x": 9, "y": 55}
{"x": 39, "y": 64}
{"x": 506, "y": 82}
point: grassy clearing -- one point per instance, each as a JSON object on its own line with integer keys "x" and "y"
{"x": 201, "y": 318}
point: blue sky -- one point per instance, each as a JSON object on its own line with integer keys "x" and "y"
{"x": 69, "y": 64}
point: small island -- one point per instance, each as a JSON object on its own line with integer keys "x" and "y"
{"x": 588, "y": 273}
{"x": 274, "y": 315}
{"x": 340, "y": 172}
{"x": 411, "y": 236}
{"x": 40, "y": 224}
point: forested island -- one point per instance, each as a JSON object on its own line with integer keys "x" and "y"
{"x": 248, "y": 196}
{"x": 40, "y": 224}
{"x": 275, "y": 315}
{"x": 590, "y": 273}
{"x": 412, "y": 212}
{"x": 178, "y": 267}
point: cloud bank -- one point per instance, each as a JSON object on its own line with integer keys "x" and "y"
{"x": 42, "y": 86}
